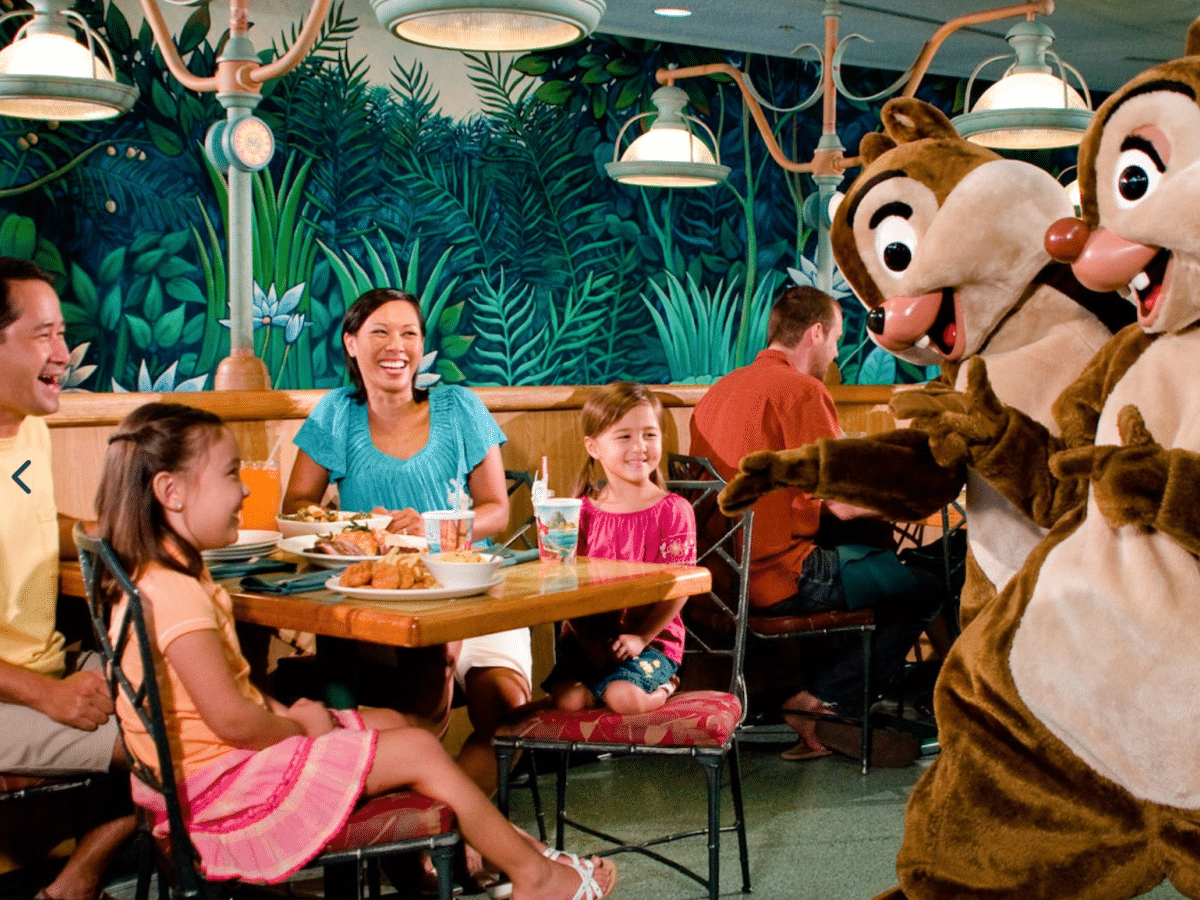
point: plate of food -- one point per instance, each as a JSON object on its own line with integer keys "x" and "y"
{"x": 333, "y": 551}
{"x": 315, "y": 519}
{"x": 397, "y": 576}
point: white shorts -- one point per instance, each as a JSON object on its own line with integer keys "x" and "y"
{"x": 506, "y": 649}
{"x": 35, "y": 744}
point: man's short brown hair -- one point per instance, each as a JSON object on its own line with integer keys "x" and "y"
{"x": 12, "y": 269}
{"x": 797, "y": 309}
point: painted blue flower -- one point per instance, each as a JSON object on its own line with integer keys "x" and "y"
{"x": 278, "y": 312}
{"x": 295, "y": 325}
{"x": 426, "y": 376}
{"x": 77, "y": 373}
{"x": 164, "y": 382}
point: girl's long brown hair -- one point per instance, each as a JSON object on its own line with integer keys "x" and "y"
{"x": 156, "y": 437}
{"x": 605, "y": 407}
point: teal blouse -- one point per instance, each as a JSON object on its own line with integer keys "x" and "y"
{"x": 337, "y": 437}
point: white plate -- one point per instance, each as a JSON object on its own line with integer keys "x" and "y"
{"x": 369, "y": 593}
{"x": 301, "y": 545}
{"x": 294, "y": 527}
{"x": 249, "y": 543}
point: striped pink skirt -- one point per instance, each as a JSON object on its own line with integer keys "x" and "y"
{"x": 260, "y": 815}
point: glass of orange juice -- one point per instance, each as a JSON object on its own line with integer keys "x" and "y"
{"x": 261, "y": 507}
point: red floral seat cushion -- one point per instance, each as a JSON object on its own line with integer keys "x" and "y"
{"x": 688, "y": 719}
{"x": 393, "y": 817}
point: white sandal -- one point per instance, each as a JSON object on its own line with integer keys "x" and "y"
{"x": 589, "y": 888}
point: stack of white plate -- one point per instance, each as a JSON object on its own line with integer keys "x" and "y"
{"x": 248, "y": 544}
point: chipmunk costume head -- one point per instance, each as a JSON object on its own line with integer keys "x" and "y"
{"x": 1068, "y": 711}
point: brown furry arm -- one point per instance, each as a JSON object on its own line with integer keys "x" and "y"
{"x": 1005, "y": 446}
{"x": 1143, "y": 483}
{"x": 893, "y": 473}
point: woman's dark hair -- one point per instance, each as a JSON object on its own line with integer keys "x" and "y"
{"x": 358, "y": 313}
{"x": 156, "y": 437}
{"x": 603, "y": 409}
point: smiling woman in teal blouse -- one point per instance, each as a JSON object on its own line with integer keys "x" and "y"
{"x": 388, "y": 445}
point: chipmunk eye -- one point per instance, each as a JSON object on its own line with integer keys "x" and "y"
{"x": 1137, "y": 176}
{"x": 895, "y": 243}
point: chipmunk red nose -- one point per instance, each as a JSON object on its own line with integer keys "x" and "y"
{"x": 1065, "y": 239}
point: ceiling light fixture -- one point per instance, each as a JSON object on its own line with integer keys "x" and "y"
{"x": 46, "y": 73}
{"x": 490, "y": 25}
{"x": 673, "y": 12}
{"x": 670, "y": 154}
{"x": 1030, "y": 107}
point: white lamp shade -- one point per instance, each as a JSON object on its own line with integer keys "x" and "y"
{"x": 669, "y": 144}
{"x": 490, "y": 25}
{"x": 1029, "y": 90}
{"x": 52, "y": 54}
{"x": 52, "y": 77}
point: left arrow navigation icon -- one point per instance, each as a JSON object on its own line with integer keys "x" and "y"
{"x": 16, "y": 476}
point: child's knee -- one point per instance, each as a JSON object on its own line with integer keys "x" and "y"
{"x": 626, "y": 699}
{"x": 572, "y": 697}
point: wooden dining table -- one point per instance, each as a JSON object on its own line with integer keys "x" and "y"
{"x": 529, "y": 593}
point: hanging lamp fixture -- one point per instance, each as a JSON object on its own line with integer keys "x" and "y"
{"x": 47, "y": 73}
{"x": 490, "y": 25}
{"x": 670, "y": 153}
{"x": 1030, "y": 107}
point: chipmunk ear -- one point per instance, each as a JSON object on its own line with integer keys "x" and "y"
{"x": 873, "y": 146}
{"x": 1193, "y": 39}
{"x": 908, "y": 119}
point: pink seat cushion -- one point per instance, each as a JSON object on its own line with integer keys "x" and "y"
{"x": 688, "y": 719}
{"x": 393, "y": 817}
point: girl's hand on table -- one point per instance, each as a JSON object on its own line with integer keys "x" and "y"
{"x": 404, "y": 521}
{"x": 313, "y": 717}
{"x": 628, "y": 646}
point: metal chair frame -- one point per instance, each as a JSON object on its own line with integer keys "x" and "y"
{"x": 733, "y": 550}
{"x": 861, "y": 621}
{"x": 343, "y": 869}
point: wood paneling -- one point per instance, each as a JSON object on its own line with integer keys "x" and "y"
{"x": 539, "y": 421}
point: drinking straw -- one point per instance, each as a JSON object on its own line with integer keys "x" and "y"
{"x": 275, "y": 448}
{"x": 546, "y": 469}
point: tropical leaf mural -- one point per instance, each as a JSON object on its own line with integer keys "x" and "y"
{"x": 531, "y": 265}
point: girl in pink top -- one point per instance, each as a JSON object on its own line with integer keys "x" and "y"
{"x": 265, "y": 786}
{"x": 626, "y": 660}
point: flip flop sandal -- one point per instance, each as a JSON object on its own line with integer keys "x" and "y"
{"x": 802, "y": 751}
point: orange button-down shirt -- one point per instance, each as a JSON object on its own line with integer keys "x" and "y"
{"x": 768, "y": 405}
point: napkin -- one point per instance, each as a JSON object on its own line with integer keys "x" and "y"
{"x": 242, "y": 567}
{"x": 288, "y": 583}
{"x": 511, "y": 558}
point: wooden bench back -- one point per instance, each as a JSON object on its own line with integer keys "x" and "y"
{"x": 537, "y": 420}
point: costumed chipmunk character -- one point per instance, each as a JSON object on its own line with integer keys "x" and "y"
{"x": 1068, "y": 711}
{"x": 941, "y": 240}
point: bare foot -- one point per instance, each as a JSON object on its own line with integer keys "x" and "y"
{"x": 570, "y": 877}
{"x": 805, "y": 724}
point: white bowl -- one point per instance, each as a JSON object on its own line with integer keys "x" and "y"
{"x": 293, "y": 528}
{"x": 463, "y": 574}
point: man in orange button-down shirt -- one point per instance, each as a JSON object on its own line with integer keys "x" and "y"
{"x": 779, "y": 402}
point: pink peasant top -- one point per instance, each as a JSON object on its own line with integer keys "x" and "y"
{"x": 662, "y": 533}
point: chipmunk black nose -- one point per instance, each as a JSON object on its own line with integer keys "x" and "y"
{"x": 875, "y": 320}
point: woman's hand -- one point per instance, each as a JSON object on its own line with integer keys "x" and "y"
{"x": 628, "y": 646}
{"x": 313, "y": 717}
{"x": 404, "y": 521}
